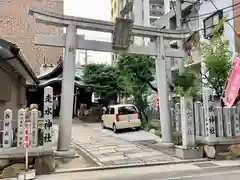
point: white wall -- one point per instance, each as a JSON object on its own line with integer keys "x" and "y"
{"x": 228, "y": 34}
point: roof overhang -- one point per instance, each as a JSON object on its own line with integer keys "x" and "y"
{"x": 10, "y": 53}
{"x": 51, "y": 73}
{"x": 44, "y": 83}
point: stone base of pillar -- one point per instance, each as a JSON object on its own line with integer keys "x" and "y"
{"x": 189, "y": 153}
{"x": 165, "y": 145}
{"x": 65, "y": 154}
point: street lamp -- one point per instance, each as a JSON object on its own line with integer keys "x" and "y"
{"x": 121, "y": 34}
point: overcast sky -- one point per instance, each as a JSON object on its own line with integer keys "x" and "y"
{"x": 95, "y": 9}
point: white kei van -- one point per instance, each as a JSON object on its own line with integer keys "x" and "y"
{"x": 121, "y": 116}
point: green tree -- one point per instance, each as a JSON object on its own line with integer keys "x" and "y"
{"x": 217, "y": 55}
{"x": 103, "y": 79}
{"x": 142, "y": 67}
{"x": 136, "y": 75}
{"x": 185, "y": 84}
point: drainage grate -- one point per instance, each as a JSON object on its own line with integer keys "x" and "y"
{"x": 206, "y": 164}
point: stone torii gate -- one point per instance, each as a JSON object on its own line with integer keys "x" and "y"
{"x": 71, "y": 41}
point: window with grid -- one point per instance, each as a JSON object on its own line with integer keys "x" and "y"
{"x": 210, "y": 24}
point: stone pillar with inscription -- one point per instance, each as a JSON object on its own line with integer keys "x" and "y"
{"x": 188, "y": 150}
{"x": 235, "y": 123}
{"x": 238, "y": 115}
{"x": 197, "y": 116}
{"x": 219, "y": 118}
{"x": 227, "y": 114}
{"x": 202, "y": 121}
{"x": 178, "y": 117}
{"x": 34, "y": 127}
{"x": 21, "y": 127}
{"x": 7, "y": 129}
{"x": 187, "y": 122}
{"x": 48, "y": 114}
{"x": 210, "y": 123}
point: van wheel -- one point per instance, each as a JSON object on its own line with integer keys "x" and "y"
{"x": 138, "y": 128}
{"x": 115, "y": 128}
{"x": 103, "y": 125}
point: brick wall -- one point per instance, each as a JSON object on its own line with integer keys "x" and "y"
{"x": 17, "y": 26}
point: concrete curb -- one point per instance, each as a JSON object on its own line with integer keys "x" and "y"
{"x": 99, "y": 168}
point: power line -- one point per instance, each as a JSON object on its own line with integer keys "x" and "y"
{"x": 229, "y": 19}
{"x": 198, "y": 17}
{"x": 227, "y": 7}
{"x": 227, "y": 22}
{"x": 192, "y": 18}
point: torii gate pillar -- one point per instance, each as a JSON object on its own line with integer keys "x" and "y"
{"x": 68, "y": 80}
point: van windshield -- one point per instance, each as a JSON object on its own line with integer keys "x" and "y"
{"x": 127, "y": 110}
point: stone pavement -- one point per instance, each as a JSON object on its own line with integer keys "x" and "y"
{"x": 105, "y": 149}
{"x": 128, "y": 135}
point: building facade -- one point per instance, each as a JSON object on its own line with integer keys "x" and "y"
{"x": 236, "y": 13}
{"x": 20, "y": 28}
{"x": 200, "y": 18}
{"x": 14, "y": 72}
{"x": 196, "y": 19}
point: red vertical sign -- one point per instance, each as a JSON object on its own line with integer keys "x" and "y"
{"x": 27, "y": 144}
{"x": 155, "y": 100}
{"x": 233, "y": 85}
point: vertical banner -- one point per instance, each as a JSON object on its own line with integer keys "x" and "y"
{"x": 233, "y": 84}
{"x": 155, "y": 100}
{"x": 48, "y": 114}
{"x": 7, "y": 129}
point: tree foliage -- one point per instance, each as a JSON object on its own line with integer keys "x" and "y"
{"x": 141, "y": 68}
{"x": 186, "y": 84}
{"x": 136, "y": 75}
{"x": 103, "y": 79}
{"x": 217, "y": 55}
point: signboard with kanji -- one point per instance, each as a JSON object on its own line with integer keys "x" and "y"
{"x": 48, "y": 114}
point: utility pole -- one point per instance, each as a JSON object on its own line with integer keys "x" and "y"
{"x": 178, "y": 11}
{"x": 85, "y": 57}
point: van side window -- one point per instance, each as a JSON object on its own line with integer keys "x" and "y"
{"x": 112, "y": 111}
{"x": 107, "y": 111}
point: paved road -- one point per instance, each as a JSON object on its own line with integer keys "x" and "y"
{"x": 225, "y": 170}
{"x": 106, "y": 149}
{"x": 229, "y": 174}
{"x": 128, "y": 135}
